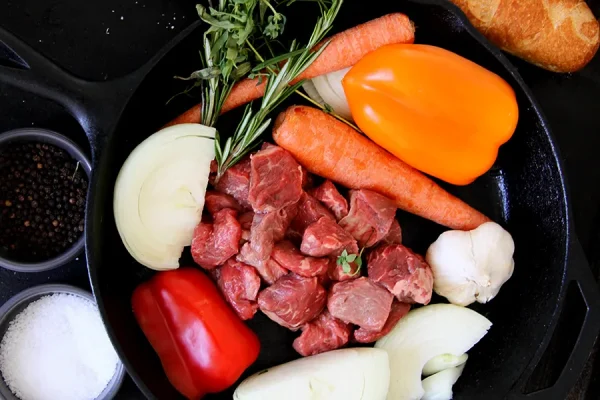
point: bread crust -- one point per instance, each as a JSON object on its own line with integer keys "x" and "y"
{"x": 558, "y": 35}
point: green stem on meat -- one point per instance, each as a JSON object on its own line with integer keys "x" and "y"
{"x": 344, "y": 260}
{"x": 278, "y": 88}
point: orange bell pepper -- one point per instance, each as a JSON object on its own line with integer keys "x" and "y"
{"x": 435, "y": 110}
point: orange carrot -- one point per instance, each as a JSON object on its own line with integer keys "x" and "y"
{"x": 344, "y": 50}
{"x": 332, "y": 149}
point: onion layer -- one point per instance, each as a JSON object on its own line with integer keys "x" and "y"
{"x": 328, "y": 89}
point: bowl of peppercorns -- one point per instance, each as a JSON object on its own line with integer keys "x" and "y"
{"x": 43, "y": 185}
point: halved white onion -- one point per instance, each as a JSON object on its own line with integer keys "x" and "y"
{"x": 159, "y": 193}
{"x": 328, "y": 89}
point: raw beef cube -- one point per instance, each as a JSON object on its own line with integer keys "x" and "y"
{"x": 309, "y": 211}
{"x": 245, "y": 221}
{"x": 236, "y": 181}
{"x": 324, "y": 280}
{"x": 325, "y": 237}
{"x": 245, "y": 237}
{"x": 307, "y": 179}
{"x": 268, "y": 270}
{"x": 360, "y": 302}
{"x": 398, "y": 311}
{"x": 324, "y": 333}
{"x": 336, "y": 272}
{"x": 293, "y": 300}
{"x": 289, "y": 257}
{"x": 328, "y": 194}
{"x": 239, "y": 284}
{"x": 215, "y": 243}
{"x": 216, "y": 201}
{"x": 267, "y": 145}
{"x": 273, "y": 271}
{"x": 370, "y": 217}
{"x": 405, "y": 274}
{"x": 248, "y": 256}
{"x": 275, "y": 180}
{"x": 269, "y": 228}
{"x": 394, "y": 235}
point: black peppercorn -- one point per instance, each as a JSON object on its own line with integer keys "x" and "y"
{"x": 42, "y": 196}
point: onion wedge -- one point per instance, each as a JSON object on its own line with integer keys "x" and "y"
{"x": 328, "y": 90}
{"x": 159, "y": 193}
{"x": 423, "y": 334}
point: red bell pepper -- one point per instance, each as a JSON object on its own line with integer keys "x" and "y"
{"x": 203, "y": 346}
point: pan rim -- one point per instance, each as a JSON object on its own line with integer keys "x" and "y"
{"x": 455, "y": 12}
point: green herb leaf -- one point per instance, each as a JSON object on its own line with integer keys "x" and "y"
{"x": 346, "y": 268}
{"x": 206, "y": 73}
{"x": 359, "y": 262}
{"x": 262, "y": 7}
{"x": 346, "y": 259}
{"x": 219, "y": 43}
{"x": 276, "y": 60}
{"x": 241, "y": 71}
{"x": 275, "y": 26}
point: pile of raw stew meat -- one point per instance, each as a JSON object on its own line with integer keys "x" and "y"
{"x": 278, "y": 241}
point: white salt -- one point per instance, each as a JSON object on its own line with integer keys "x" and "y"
{"x": 57, "y": 348}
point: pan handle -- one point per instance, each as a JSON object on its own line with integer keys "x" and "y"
{"x": 97, "y": 106}
{"x": 34, "y": 73}
{"x": 581, "y": 274}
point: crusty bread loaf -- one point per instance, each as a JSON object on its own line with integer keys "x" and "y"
{"x": 559, "y": 35}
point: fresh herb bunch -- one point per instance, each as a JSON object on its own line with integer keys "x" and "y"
{"x": 281, "y": 83}
{"x": 226, "y": 56}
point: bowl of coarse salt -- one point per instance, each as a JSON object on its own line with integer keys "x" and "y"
{"x": 54, "y": 347}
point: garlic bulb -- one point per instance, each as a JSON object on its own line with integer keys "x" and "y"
{"x": 473, "y": 265}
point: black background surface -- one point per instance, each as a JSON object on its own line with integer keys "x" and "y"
{"x": 102, "y": 40}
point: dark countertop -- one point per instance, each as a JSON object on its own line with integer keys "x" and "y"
{"x": 101, "y": 40}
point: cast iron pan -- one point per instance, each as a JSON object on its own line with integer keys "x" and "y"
{"x": 525, "y": 191}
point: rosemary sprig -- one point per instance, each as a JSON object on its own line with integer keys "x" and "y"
{"x": 278, "y": 88}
